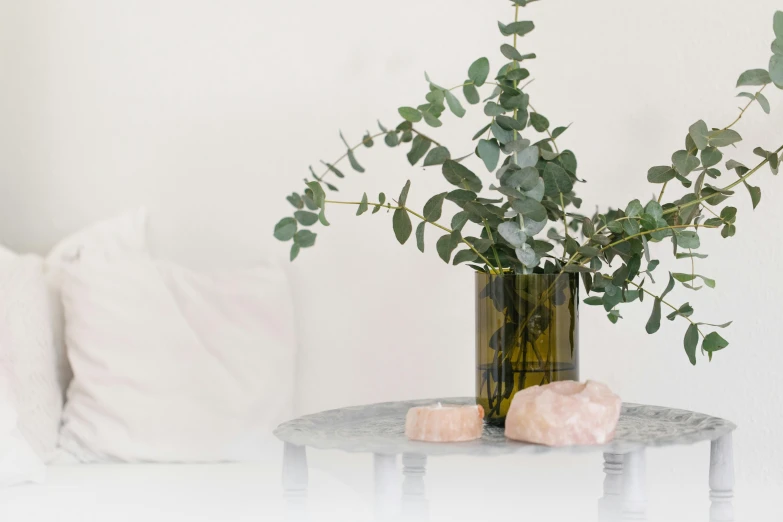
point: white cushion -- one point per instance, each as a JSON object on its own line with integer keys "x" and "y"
{"x": 171, "y": 365}
{"x": 29, "y": 398}
{"x": 28, "y": 358}
{"x": 116, "y": 238}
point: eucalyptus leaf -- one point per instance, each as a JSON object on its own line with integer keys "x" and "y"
{"x": 437, "y": 156}
{"x": 419, "y": 148}
{"x": 489, "y": 152}
{"x": 724, "y": 138}
{"x": 420, "y": 236}
{"x": 654, "y": 323}
{"x": 510, "y": 52}
{"x": 700, "y": 134}
{"x": 433, "y": 209}
{"x": 465, "y": 256}
{"x": 479, "y": 72}
{"x": 285, "y": 229}
{"x": 511, "y": 232}
{"x": 660, "y": 174}
{"x": 557, "y": 180}
{"x": 539, "y": 122}
{"x": 304, "y": 238}
{"x": 754, "y": 77}
{"x": 454, "y": 104}
{"x": 459, "y": 175}
{"x": 691, "y": 341}
{"x": 403, "y": 227}
{"x": 306, "y": 218}
{"x": 713, "y": 342}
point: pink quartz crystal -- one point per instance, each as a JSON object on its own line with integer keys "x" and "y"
{"x": 564, "y": 413}
{"x": 443, "y": 423}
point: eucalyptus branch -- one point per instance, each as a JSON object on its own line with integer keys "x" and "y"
{"x": 413, "y": 213}
{"x": 639, "y": 287}
{"x": 416, "y": 131}
{"x": 742, "y": 178}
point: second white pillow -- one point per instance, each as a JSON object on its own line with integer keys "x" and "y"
{"x": 170, "y": 365}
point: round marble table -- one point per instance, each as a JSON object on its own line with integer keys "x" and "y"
{"x": 380, "y": 429}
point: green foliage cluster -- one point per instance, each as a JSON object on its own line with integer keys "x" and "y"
{"x": 533, "y": 188}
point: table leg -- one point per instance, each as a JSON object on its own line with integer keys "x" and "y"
{"x": 610, "y": 506}
{"x": 722, "y": 479}
{"x": 414, "y": 500}
{"x": 635, "y": 485}
{"x": 295, "y": 478}
{"x": 385, "y": 485}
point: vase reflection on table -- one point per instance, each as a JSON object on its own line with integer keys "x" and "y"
{"x": 527, "y": 334}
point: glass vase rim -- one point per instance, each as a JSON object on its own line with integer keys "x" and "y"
{"x": 532, "y": 276}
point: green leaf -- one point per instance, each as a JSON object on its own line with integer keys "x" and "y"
{"x": 714, "y": 343}
{"x": 305, "y": 238}
{"x": 285, "y": 229}
{"x": 777, "y": 46}
{"x": 699, "y": 133}
{"x": 518, "y": 28}
{"x": 446, "y": 245}
{"x": 754, "y": 77}
{"x": 660, "y": 174}
{"x": 318, "y": 194}
{"x": 755, "y": 194}
{"x": 516, "y": 75}
{"x": 295, "y": 200}
{"x": 510, "y": 52}
{"x": 410, "y": 114}
{"x": 306, "y": 218}
{"x": 392, "y": 139}
{"x": 654, "y": 323}
{"x": 511, "y": 232}
{"x": 479, "y": 72}
{"x": 777, "y": 24}
{"x": 710, "y": 157}
{"x": 419, "y": 148}
{"x": 437, "y": 156}
{"x": 724, "y": 138}
{"x": 403, "y": 199}
{"x": 509, "y": 123}
{"x": 669, "y": 287}
{"x": 465, "y": 256}
{"x": 684, "y": 163}
{"x": 634, "y": 209}
{"x": 461, "y": 196}
{"x": 322, "y": 217}
{"x": 454, "y": 105}
{"x": 686, "y": 278}
{"x": 295, "y": 249}
{"x": 539, "y": 122}
{"x": 529, "y": 208}
{"x": 460, "y": 176}
{"x": 593, "y": 301}
{"x": 471, "y": 93}
{"x": 459, "y": 220}
{"x": 420, "y": 236}
{"x": 527, "y": 255}
{"x": 776, "y": 70}
{"x": 493, "y": 110}
{"x": 685, "y": 310}
{"x": 687, "y": 239}
{"x": 381, "y": 200}
{"x": 401, "y": 222}
{"x": 433, "y": 209}
{"x": 432, "y": 120}
{"x": 691, "y": 341}
{"x": 489, "y": 152}
{"x": 362, "y": 206}
{"x": 556, "y": 180}
{"x": 334, "y": 170}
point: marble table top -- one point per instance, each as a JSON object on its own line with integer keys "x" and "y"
{"x": 380, "y": 428}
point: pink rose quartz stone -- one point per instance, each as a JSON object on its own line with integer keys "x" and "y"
{"x": 443, "y": 423}
{"x": 565, "y": 413}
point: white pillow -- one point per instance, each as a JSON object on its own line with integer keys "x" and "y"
{"x": 170, "y": 365}
{"x": 111, "y": 239}
{"x": 18, "y": 461}
{"x": 28, "y": 359}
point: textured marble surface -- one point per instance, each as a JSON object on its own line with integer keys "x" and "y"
{"x": 380, "y": 429}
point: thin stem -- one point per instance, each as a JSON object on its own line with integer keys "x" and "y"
{"x": 494, "y": 250}
{"x": 729, "y": 126}
{"x": 667, "y": 304}
{"x": 352, "y": 149}
{"x": 565, "y": 224}
{"x": 409, "y": 211}
{"x": 648, "y": 232}
{"x": 425, "y": 137}
{"x": 663, "y": 189}
{"x": 729, "y": 187}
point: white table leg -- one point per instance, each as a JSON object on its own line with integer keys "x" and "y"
{"x": 722, "y": 480}
{"x": 635, "y": 485}
{"x": 385, "y": 486}
{"x": 610, "y": 506}
{"x": 414, "y": 500}
{"x": 295, "y": 478}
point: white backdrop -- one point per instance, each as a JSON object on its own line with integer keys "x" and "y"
{"x": 209, "y": 113}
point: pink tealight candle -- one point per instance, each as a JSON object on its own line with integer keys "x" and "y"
{"x": 441, "y": 423}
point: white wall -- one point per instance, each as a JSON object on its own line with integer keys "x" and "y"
{"x": 209, "y": 113}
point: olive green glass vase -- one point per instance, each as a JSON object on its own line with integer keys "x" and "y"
{"x": 527, "y": 331}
